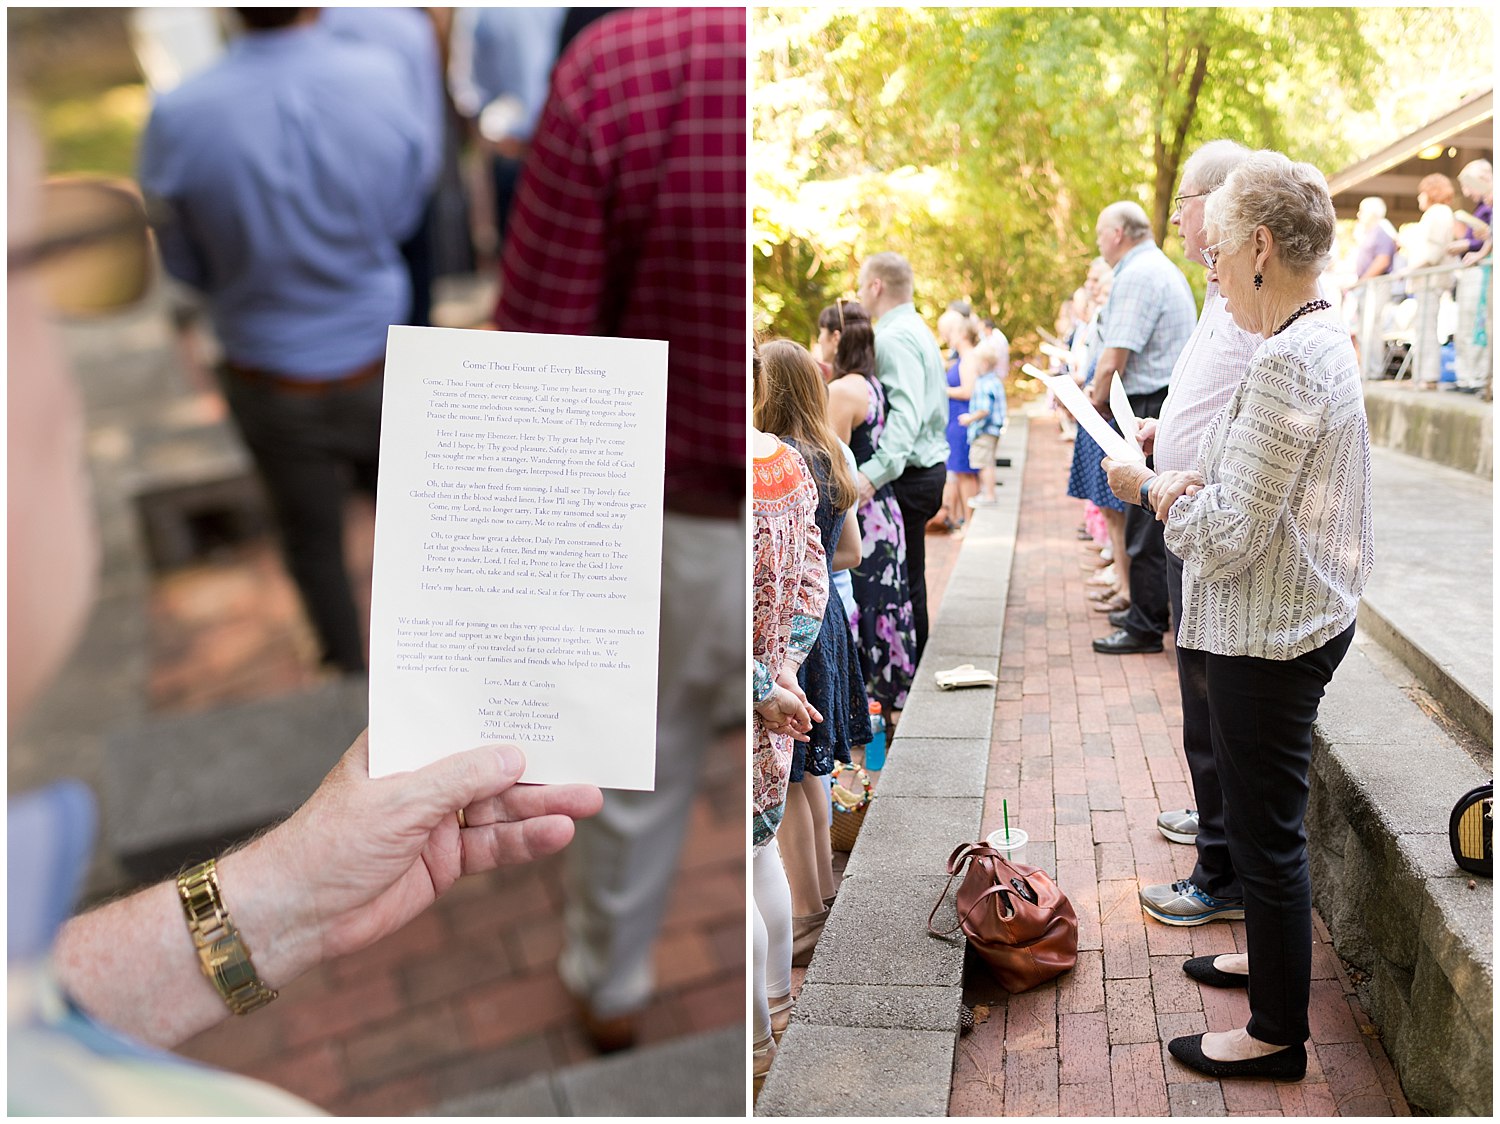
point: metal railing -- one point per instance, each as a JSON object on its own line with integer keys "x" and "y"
{"x": 1404, "y": 320}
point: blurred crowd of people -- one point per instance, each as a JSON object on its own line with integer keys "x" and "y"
{"x": 1420, "y": 298}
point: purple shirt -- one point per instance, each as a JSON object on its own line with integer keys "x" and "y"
{"x": 1375, "y": 243}
{"x": 1485, "y": 213}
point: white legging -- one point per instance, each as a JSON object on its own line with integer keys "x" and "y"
{"x": 773, "y": 934}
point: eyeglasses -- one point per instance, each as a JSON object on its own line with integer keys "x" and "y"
{"x": 1211, "y": 255}
{"x": 1179, "y": 200}
{"x": 94, "y": 252}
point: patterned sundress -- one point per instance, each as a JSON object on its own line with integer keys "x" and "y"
{"x": 790, "y": 587}
{"x": 882, "y": 619}
{"x": 833, "y": 675}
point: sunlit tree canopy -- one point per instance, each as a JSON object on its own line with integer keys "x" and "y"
{"x": 982, "y": 143}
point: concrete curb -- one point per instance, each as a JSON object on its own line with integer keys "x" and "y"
{"x": 882, "y": 996}
{"x": 700, "y": 1075}
{"x": 1451, "y": 693}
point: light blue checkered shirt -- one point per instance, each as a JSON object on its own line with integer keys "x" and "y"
{"x": 1151, "y": 313}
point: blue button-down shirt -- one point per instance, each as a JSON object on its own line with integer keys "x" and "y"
{"x": 501, "y": 52}
{"x": 408, "y": 33}
{"x": 1150, "y": 312}
{"x": 285, "y": 178}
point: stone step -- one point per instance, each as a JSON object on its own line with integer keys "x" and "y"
{"x": 699, "y": 1075}
{"x": 1430, "y": 597}
{"x": 178, "y": 789}
{"x": 1456, "y": 430}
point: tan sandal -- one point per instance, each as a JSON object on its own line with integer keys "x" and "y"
{"x": 805, "y": 933}
{"x": 762, "y": 1058}
{"x": 781, "y": 1016}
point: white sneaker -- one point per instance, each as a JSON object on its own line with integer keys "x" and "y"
{"x": 980, "y": 501}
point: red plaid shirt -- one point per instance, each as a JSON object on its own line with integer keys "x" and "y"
{"x": 630, "y": 221}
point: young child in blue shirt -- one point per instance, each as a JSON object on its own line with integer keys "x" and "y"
{"x": 986, "y": 420}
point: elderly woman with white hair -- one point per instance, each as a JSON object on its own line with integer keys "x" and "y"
{"x": 1273, "y": 525}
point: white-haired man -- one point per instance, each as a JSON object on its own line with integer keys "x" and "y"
{"x": 1147, "y": 321}
{"x": 1207, "y": 371}
{"x": 1374, "y": 257}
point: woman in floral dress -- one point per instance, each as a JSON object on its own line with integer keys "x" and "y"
{"x": 790, "y": 588}
{"x": 883, "y": 619}
{"x": 793, "y": 404}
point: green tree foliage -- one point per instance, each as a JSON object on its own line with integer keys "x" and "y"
{"x": 982, "y": 143}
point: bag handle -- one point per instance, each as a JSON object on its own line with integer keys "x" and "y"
{"x": 966, "y": 851}
{"x": 957, "y": 861}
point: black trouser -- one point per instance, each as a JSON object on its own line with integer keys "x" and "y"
{"x": 1147, "y": 615}
{"x": 1261, "y": 715}
{"x": 417, "y": 253}
{"x": 309, "y": 449}
{"x": 919, "y": 495}
{"x": 1214, "y": 873}
{"x": 505, "y": 177}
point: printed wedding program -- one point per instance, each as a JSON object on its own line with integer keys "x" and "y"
{"x": 1077, "y": 403}
{"x": 518, "y": 552}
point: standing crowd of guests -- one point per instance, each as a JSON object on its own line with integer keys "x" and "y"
{"x": 856, "y": 451}
{"x": 1247, "y": 531}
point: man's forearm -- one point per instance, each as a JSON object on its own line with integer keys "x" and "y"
{"x": 131, "y": 963}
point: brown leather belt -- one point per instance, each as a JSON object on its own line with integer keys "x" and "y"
{"x": 292, "y": 385}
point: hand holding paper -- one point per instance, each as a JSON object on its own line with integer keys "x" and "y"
{"x": 1072, "y": 397}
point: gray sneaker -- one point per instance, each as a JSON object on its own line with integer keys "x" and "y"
{"x": 1180, "y": 826}
{"x": 1182, "y": 903}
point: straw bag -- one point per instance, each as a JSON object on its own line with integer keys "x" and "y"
{"x": 1471, "y": 830}
{"x": 849, "y": 805}
{"x": 1015, "y": 917}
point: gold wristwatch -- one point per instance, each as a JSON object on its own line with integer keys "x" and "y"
{"x": 222, "y": 953}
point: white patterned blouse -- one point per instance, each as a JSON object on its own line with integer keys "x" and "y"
{"x": 1278, "y": 545}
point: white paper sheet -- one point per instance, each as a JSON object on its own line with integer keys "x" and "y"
{"x": 518, "y": 552}
{"x": 1119, "y": 405}
{"x": 1071, "y": 395}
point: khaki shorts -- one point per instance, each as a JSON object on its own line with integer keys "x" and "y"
{"x": 982, "y": 451}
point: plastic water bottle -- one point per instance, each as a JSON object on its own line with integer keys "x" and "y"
{"x": 875, "y": 750}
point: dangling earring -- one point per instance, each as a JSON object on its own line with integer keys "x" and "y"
{"x": 1259, "y": 280}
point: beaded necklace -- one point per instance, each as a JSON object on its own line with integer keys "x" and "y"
{"x": 1310, "y": 306}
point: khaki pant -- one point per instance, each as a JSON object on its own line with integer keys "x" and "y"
{"x": 621, "y": 862}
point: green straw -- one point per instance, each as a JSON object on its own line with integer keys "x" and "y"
{"x": 1005, "y": 811}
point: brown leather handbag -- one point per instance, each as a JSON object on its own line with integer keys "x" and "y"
{"x": 1015, "y": 917}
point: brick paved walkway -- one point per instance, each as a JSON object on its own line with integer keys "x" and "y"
{"x": 466, "y": 998}
{"x": 1087, "y": 750}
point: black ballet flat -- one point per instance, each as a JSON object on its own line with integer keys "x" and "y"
{"x": 1284, "y": 1065}
{"x": 1202, "y": 969}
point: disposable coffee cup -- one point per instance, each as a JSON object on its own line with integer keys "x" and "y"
{"x": 1012, "y": 846}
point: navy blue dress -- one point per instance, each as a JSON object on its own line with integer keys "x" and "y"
{"x": 831, "y": 676}
{"x": 958, "y": 435}
{"x": 1086, "y": 480}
